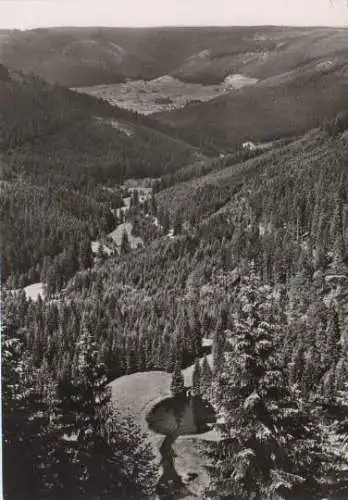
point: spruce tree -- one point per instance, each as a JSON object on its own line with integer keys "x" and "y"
{"x": 341, "y": 374}
{"x": 134, "y": 201}
{"x": 30, "y": 442}
{"x": 218, "y": 349}
{"x": 109, "y": 455}
{"x": 296, "y": 366}
{"x": 333, "y": 338}
{"x": 126, "y": 468}
{"x": 196, "y": 334}
{"x": 329, "y": 386}
{"x": 178, "y": 222}
{"x": 177, "y": 385}
{"x": 100, "y": 252}
{"x": 196, "y": 378}
{"x": 166, "y": 222}
{"x": 85, "y": 392}
{"x": 206, "y": 378}
{"x": 125, "y": 247}
{"x": 85, "y": 254}
{"x": 269, "y": 446}
{"x": 153, "y": 204}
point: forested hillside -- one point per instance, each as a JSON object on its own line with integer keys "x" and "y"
{"x": 279, "y": 106}
{"x": 59, "y": 150}
{"x": 270, "y": 82}
{"x": 296, "y": 240}
{"x": 230, "y": 273}
{"x": 90, "y": 56}
{"x": 254, "y": 257}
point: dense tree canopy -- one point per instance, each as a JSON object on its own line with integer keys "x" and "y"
{"x": 251, "y": 257}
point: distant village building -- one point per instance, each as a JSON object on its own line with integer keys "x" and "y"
{"x": 249, "y": 146}
{"x": 263, "y": 146}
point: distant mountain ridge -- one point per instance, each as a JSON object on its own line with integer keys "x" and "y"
{"x": 280, "y": 106}
{"x": 90, "y": 56}
{"x": 283, "y": 81}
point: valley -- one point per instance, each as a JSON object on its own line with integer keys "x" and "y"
{"x": 178, "y": 198}
{"x": 163, "y": 94}
{"x": 115, "y": 236}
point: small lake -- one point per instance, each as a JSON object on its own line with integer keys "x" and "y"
{"x": 173, "y": 417}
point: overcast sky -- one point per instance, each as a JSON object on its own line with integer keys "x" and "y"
{"x": 36, "y": 13}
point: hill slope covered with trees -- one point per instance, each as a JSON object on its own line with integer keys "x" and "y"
{"x": 244, "y": 254}
{"x": 90, "y": 56}
{"x": 58, "y": 152}
{"x": 257, "y": 262}
{"x": 275, "y": 82}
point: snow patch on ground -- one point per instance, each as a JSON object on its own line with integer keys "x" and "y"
{"x": 207, "y": 342}
{"x": 119, "y": 50}
{"x": 259, "y": 38}
{"x": 125, "y": 208}
{"x": 117, "y": 234}
{"x": 203, "y": 54}
{"x": 33, "y": 291}
{"x": 122, "y": 127}
{"x": 324, "y": 65}
{"x": 95, "y": 248}
{"x": 265, "y": 228}
{"x": 156, "y": 222}
{"x": 238, "y": 81}
{"x": 344, "y": 136}
{"x": 262, "y": 229}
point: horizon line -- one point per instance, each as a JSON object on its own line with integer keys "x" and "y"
{"x": 178, "y": 26}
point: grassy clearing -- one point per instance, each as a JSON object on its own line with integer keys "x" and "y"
{"x": 138, "y": 393}
{"x": 163, "y": 94}
{"x": 33, "y": 291}
{"x": 135, "y": 395}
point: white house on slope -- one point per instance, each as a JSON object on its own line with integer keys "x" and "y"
{"x": 249, "y": 145}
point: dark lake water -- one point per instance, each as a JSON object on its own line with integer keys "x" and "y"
{"x": 174, "y": 417}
